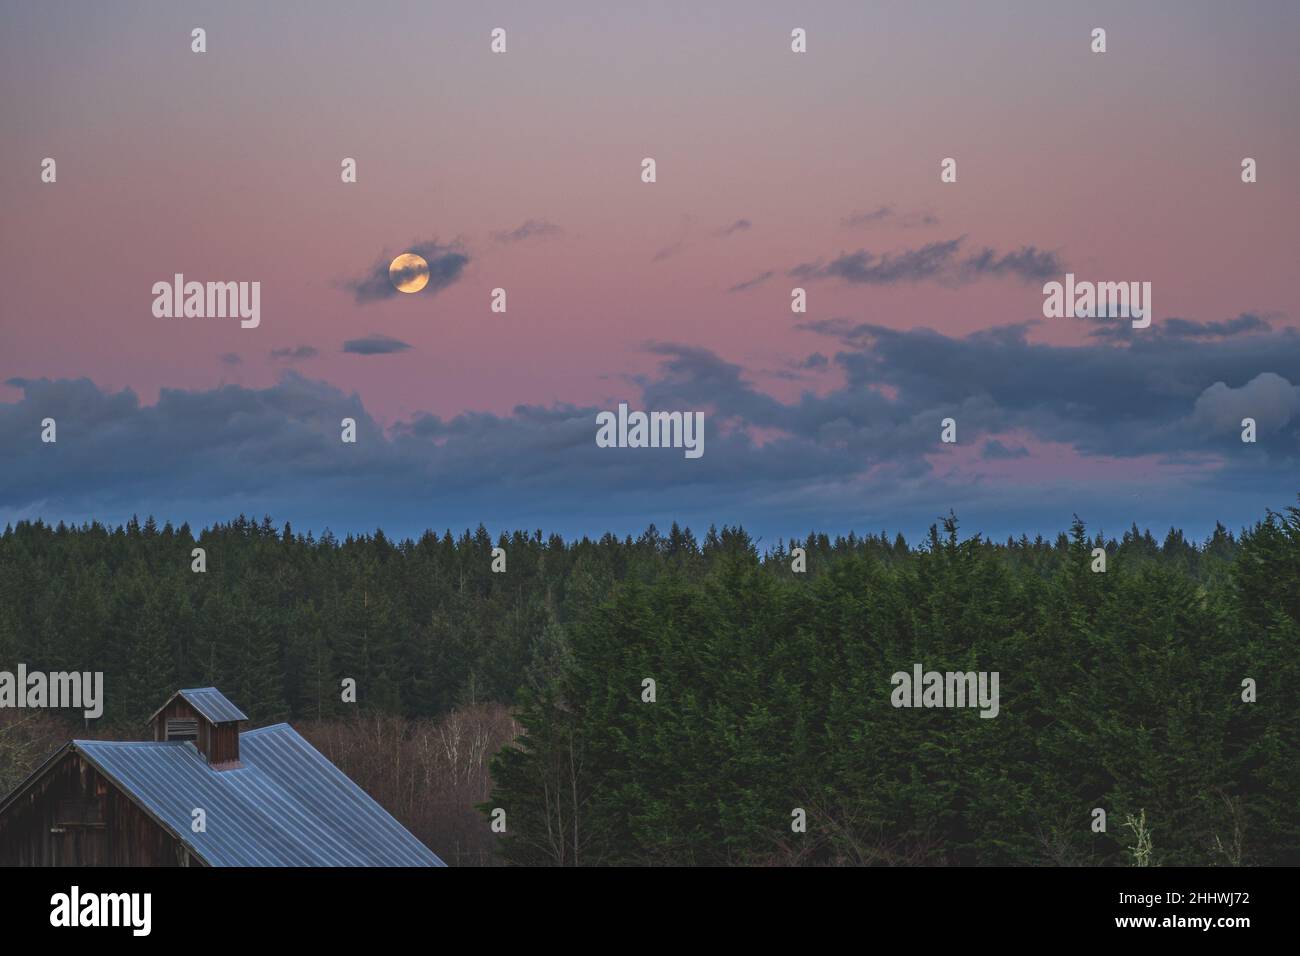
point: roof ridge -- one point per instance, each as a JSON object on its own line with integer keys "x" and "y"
{"x": 258, "y": 730}
{"x": 110, "y": 740}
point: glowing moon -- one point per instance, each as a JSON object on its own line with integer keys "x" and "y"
{"x": 408, "y": 272}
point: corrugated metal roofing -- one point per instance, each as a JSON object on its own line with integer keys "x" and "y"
{"x": 286, "y": 806}
{"x": 212, "y": 704}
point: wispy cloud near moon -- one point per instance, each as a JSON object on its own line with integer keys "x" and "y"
{"x": 886, "y": 214}
{"x": 752, "y": 283}
{"x": 446, "y": 264}
{"x": 295, "y": 354}
{"x": 530, "y": 229}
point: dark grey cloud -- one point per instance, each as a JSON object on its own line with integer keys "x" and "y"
{"x": 1247, "y": 323}
{"x": 185, "y": 453}
{"x": 230, "y": 358}
{"x": 295, "y": 354}
{"x": 375, "y": 344}
{"x": 888, "y": 214}
{"x": 751, "y": 283}
{"x": 530, "y": 229}
{"x": 684, "y": 240}
{"x": 1028, "y": 264}
{"x": 920, "y": 219}
{"x": 931, "y": 261}
{"x": 446, "y": 265}
{"x": 935, "y": 261}
{"x": 667, "y": 252}
{"x": 1123, "y": 399}
{"x": 1244, "y": 324}
{"x": 879, "y": 214}
{"x": 798, "y": 369}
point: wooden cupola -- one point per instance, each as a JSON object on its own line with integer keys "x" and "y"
{"x": 205, "y": 717}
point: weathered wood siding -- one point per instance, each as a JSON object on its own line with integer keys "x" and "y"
{"x": 74, "y": 816}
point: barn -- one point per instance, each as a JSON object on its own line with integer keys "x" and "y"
{"x": 199, "y": 793}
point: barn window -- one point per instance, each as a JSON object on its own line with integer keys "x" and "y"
{"x": 182, "y": 729}
{"x": 79, "y": 812}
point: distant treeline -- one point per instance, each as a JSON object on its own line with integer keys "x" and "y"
{"x": 1119, "y": 690}
{"x": 278, "y": 619}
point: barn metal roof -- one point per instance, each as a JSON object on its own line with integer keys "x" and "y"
{"x": 285, "y": 806}
{"x": 209, "y": 702}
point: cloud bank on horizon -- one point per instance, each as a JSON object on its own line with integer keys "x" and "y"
{"x": 1144, "y": 431}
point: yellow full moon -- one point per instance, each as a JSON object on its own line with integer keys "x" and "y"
{"x": 409, "y": 272}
